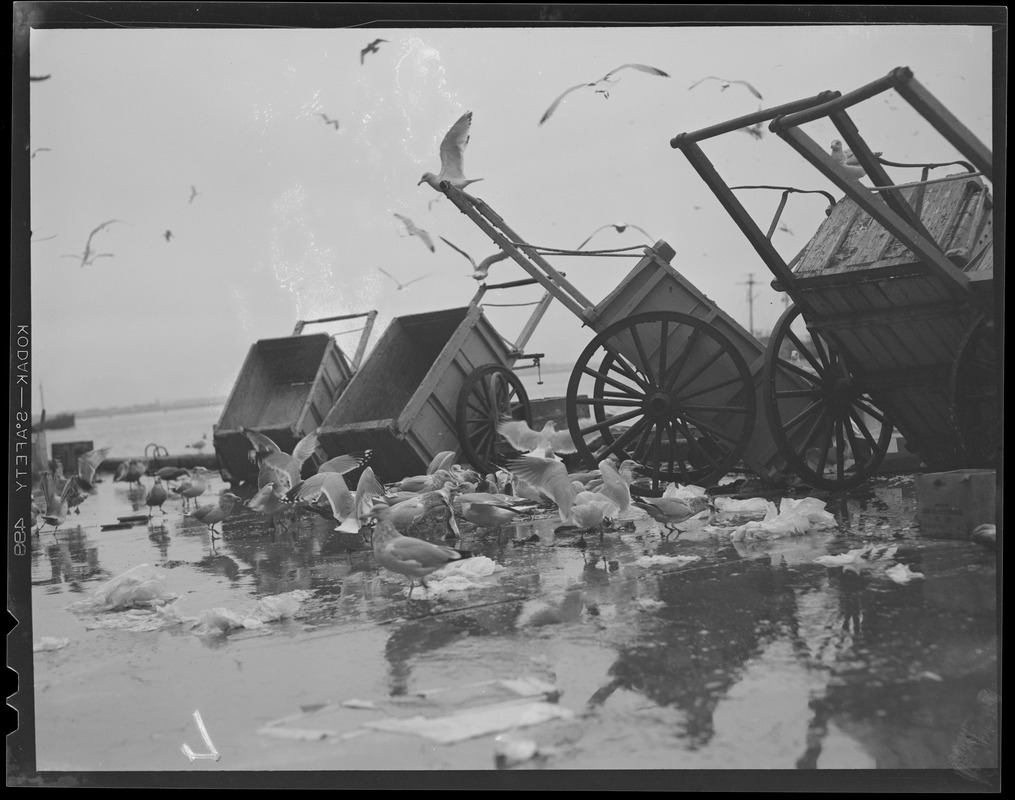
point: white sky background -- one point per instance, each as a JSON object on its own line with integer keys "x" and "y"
{"x": 294, "y": 219}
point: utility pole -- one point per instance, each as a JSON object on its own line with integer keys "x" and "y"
{"x": 750, "y": 283}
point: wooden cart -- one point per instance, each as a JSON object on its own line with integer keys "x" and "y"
{"x": 894, "y": 309}
{"x": 434, "y": 382}
{"x": 285, "y": 389}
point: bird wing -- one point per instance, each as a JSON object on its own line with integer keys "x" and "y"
{"x": 555, "y": 103}
{"x": 520, "y": 435}
{"x": 549, "y": 476}
{"x": 422, "y": 234}
{"x": 453, "y": 149}
{"x": 305, "y": 448}
{"x": 442, "y": 460}
{"x": 333, "y": 487}
{"x": 647, "y": 234}
{"x": 367, "y": 489}
{"x": 460, "y": 250}
{"x": 346, "y": 463}
{"x": 262, "y": 444}
{"x": 641, "y": 67}
{"x": 409, "y": 283}
{"x": 485, "y": 264}
{"x": 750, "y": 88}
{"x": 561, "y": 442}
{"x": 614, "y": 486}
{"x": 593, "y": 234}
{"x": 389, "y": 274}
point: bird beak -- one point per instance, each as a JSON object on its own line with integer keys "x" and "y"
{"x": 421, "y": 181}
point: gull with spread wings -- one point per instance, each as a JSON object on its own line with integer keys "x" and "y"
{"x": 373, "y": 47}
{"x": 398, "y": 283}
{"x": 453, "y": 156}
{"x": 413, "y": 230}
{"x": 88, "y": 256}
{"x": 726, "y": 83}
{"x": 482, "y": 269}
{"x": 604, "y": 80}
{"x": 620, "y": 227}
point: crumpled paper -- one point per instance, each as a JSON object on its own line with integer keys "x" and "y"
{"x": 748, "y": 506}
{"x": 794, "y": 518}
{"x": 901, "y": 573}
{"x": 681, "y": 492}
{"x": 871, "y": 554}
{"x": 652, "y": 561}
{"x": 49, "y": 643}
{"x": 142, "y": 586}
{"x": 457, "y": 576}
{"x": 268, "y": 609}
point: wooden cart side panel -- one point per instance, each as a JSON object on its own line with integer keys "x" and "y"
{"x": 922, "y": 414}
{"x": 244, "y": 402}
{"x": 331, "y": 379}
{"x": 391, "y": 454}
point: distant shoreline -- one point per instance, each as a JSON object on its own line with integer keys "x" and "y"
{"x": 142, "y": 407}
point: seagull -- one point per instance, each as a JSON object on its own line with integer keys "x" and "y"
{"x": 846, "y": 162}
{"x": 399, "y": 283}
{"x": 157, "y": 495}
{"x": 212, "y": 515}
{"x": 131, "y": 470}
{"x": 39, "y": 77}
{"x": 56, "y": 502}
{"x": 620, "y": 228}
{"x": 482, "y": 269}
{"x": 754, "y": 130}
{"x": 88, "y": 465}
{"x": 270, "y": 500}
{"x": 202, "y": 442}
{"x": 329, "y": 121}
{"x": 674, "y": 514}
{"x": 605, "y": 79}
{"x": 87, "y": 257}
{"x": 373, "y": 47}
{"x": 521, "y": 437}
{"x": 40, "y": 150}
{"x": 274, "y": 464}
{"x": 406, "y": 555}
{"x": 453, "y": 157}
{"x": 726, "y": 85}
{"x": 410, "y": 226}
{"x": 168, "y": 235}
{"x": 193, "y": 193}
{"x": 193, "y": 486}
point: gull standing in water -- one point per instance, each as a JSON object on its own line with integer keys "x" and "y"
{"x": 453, "y": 157}
{"x": 604, "y": 80}
{"x": 482, "y": 269}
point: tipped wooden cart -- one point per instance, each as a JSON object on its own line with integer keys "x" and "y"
{"x": 285, "y": 389}
{"x": 893, "y": 311}
{"x": 434, "y": 382}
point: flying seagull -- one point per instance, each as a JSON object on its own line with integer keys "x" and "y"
{"x": 410, "y": 226}
{"x": 88, "y": 256}
{"x": 329, "y": 121}
{"x": 39, "y": 77}
{"x": 482, "y": 269}
{"x": 168, "y": 235}
{"x": 754, "y": 130}
{"x": 847, "y": 162}
{"x": 453, "y": 156}
{"x": 620, "y": 227}
{"x": 373, "y": 47}
{"x": 605, "y": 79}
{"x": 398, "y": 282}
{"x": 193, "y": 193}
{"x": 39, "y": 150}
{"x": 726, "y": 85}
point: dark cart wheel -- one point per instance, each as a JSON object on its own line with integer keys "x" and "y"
{"x": 490, "y": 394}
{"x": 974, "y": 395}
{"x": 666, "y": 390}
{"x": 825, "y": 424}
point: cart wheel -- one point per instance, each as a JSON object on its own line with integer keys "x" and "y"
{"x": 974, "y": 395}
{"x": 670, "y": 392}
{"x": 825, "y": 424}
{"x": 490, "y": 394}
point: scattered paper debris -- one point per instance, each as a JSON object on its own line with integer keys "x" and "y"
{"x": 681, "y": 492}
{"x": 901, "y": 573}
{"x": 509, "y": 750}
{"x": 794, "y": 518}
{"x": 140, "y": 586}
{"x": 651, "y": 561}
{"x": 457, "y": 576}
{"x": 747, "y": 507}
{"x": 268, "y": 609}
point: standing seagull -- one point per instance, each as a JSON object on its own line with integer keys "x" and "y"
{"x": 726, "y": 85}
{"x": 620, "y": 228}
{"x": 604, "y": 80}
{"x": 846, "y": 162}
{"x": 399, "y": 284}
{"x": 193, "y": 193}
{"x": 156, "y": 496}
{"x": 453, "y": 156}
{"x": 410, "y": 226}
{"x": 88, "y": 256}
{"x": 482, "y": 269}
{"x": 373, "y": 47}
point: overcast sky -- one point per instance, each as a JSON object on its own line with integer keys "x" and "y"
{"x": 293, "y": 218}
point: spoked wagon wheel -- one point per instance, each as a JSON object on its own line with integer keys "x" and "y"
{"x": 666, "y": 390}
{"x": 974, "y": 395}
{"x": 823, "y": 420}
{"x": 490, "y": 394}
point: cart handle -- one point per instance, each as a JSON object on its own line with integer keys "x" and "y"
{"x": 746, "y": 121}
{"x": 301, "y": 323}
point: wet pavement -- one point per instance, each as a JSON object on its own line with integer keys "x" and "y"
{"x": 753, "y": 656}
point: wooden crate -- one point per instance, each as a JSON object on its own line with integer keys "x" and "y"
{"x": 401, "y": 404}
{"x": 653, "y": 286}
{"x": 285, "y": 390}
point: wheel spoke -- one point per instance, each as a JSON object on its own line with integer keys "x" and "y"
{"x": 664, "y": 336}
{"x": 818, "y": 366}
{"x": 713, "y": 387}
{"x": 819, "y": 424}
{"x": 692, "y": 444}
{"x": 613, "y": 401}
{"x": 622, "y": 365}
{"x": 710, "y": 428}
{"x": 864, "y": 430}
{"x": 869, "y": 411}
{"x": 599, "y": 376}
{"x": 639, "y": 449}
{"x": 840, "y": 446}
{"x": 801, "y": 416}
{"x": 788, "y": 393}
{"x": 799, "y": 371}
{"x": 854, "y": 443}
{"x": 657, "y": 465}
{"x": 621, "y": 441}
{"x": 701, "y": 368}
{"x": 610, "y": 421}
{"x": 819, "y": 467}
{"x": 640, "y": 347}
{"x": 673, "y": 372}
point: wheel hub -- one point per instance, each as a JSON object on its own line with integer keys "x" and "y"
{"x": 658, "y": 404}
